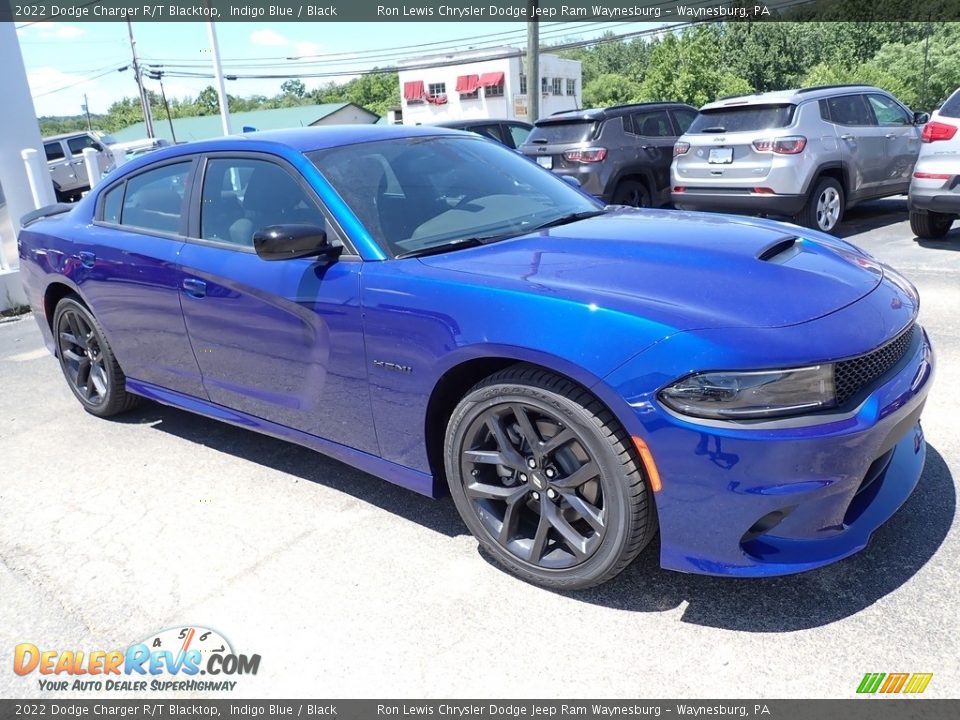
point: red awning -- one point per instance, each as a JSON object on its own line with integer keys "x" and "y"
{"x": 437, "y": 99}
{"x": 413, "y": 90}
{"x": 491, "y": 79}
{"x": 468, "y": 84}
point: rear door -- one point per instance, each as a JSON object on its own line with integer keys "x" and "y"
{"x": 61, "y": 168}
{"x": 654, "y": 136}
{"x": 280, "y": 340}
{"x": 863, "y": 144}
{"x": 902, "y": 141}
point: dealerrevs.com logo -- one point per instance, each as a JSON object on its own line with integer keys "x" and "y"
{"x": 183, "y": 658}
{"x": 894, "y": 683}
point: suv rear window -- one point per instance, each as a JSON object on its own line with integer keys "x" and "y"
{"x": 573, "y": 131}
{"x": 951, "y": 108}
{"x": 743, "y": 119}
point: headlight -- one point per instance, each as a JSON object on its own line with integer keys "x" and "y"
{"x": 745, "y": 395}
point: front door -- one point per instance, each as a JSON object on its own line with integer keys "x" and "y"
{"x": 903, "y": 142}
{"x": 280, "y": 340}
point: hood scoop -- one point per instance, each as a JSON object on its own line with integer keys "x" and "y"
{"x": 779, "y": 251}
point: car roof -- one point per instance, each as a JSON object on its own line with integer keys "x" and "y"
{"x": 465, "y": 122}
{"x": 597, "y": 114}
{"x": 790, "y": 97}
{"x": 65, "y": 136}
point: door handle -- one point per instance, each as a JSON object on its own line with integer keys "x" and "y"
{"x": 846, "y": 137}
{"x": 195, "y": 288}
{"x": 87, "y": 259}
{"x": 889, "y": 136}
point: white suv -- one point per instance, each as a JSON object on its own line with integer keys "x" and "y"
{"x": 65, "y": 160}
{"x": 935, "y": 187}
{"x": 808, "y": 154}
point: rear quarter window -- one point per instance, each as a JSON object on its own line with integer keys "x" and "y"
{"x": 951, "y": 108}
{"x": 743, "y": 119}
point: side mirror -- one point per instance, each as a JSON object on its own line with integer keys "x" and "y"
{"x": 286, "y": 242}
{"x": 921, "y": 118}
{"x": 571, "y": 180}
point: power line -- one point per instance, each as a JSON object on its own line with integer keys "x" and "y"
{"x": 81, "y": 82}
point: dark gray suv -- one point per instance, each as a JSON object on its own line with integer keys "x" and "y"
{"x": 621, "y": 154}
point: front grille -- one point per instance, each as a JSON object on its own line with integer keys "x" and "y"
{"x": 853, "y": 375}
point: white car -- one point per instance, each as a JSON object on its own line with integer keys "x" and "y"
{"x": 935, "y": 187}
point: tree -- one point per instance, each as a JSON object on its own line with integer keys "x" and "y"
{"x": 207, "y": 102}
{"x": 294, "y": 88}
{"x": 610, "y": 89}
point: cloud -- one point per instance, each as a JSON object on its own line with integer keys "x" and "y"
{"x": 268, "y": 38}
{"x": 59, "y": 31}
{"x": 45, "y": 79}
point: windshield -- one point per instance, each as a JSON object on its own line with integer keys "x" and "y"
{"x": 423, "y": 192}
{"x": 573, "y": 131}
{"x": 743, "y": 119}
{"x": 951, "y": 108}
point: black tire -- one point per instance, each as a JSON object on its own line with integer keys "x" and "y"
{"x": 631, "y": 192}
{"x": 930, "y": 225}
{"x": 580, "y": 513}
{"x": 87, "y": 361}
{"x": 825, "y": 206}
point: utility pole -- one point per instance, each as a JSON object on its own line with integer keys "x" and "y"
{"x": 218, "y": 74}
{"x": 86, "y": 109}
{"x": 144, "y": 98}
{"x": 533, "y": 63}
{"x": 158, "y": 76}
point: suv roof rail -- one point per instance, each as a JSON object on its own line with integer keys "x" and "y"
{"x": 831, "y": 87}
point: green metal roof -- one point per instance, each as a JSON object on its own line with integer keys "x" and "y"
{"x": 208, "y": 126}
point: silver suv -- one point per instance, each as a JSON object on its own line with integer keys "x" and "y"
{"x": 808, "y": 154}
{"x": 935, "y": 188}
{"x": 65, "y": 160}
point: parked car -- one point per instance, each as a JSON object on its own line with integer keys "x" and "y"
{"x": 511, "y": 133}
{"x": 935, "y": 187}
{"x": 65, "y": 159}
{"x": 619, "y": 154}
{"x": 435, "y": 309}
{"x": 807, "y": 154}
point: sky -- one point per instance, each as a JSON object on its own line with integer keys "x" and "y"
{"x": 65, "y": 61}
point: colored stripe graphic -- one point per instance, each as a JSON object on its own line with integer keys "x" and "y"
{"x": 894, "y": 682}
{"x": 870, "y": 682}
{"x": 918, "y": 682}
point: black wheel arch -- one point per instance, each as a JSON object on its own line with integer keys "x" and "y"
{"x": 839, "y": 171}
{"x": 639, "y": 173}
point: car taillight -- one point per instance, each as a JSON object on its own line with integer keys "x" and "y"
{"x": 681, "y": 148}
{"x": 781, "y": 146}
{"x": 934, "y": 131}
{"x": 593, "y": 155}
{"x": 679, "y": 189}
{"x": 932, "y": 176}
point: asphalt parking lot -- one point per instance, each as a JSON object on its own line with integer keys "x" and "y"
{"x": 350, "y": 587}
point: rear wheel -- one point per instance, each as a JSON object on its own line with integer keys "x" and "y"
{"x": 930, "y": 225}
{"x": 547, "y": 480}
{"x": 88, "y": 363}
{"x": 631, "y": 192}
{"x": 824, "y": 208}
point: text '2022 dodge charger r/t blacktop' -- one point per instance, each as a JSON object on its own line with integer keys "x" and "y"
{"x": 435, "y": 309}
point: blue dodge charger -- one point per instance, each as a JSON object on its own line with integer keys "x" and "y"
{"x": 434, "y": 309}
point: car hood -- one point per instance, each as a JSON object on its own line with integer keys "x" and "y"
{"x": 686, "y": 270}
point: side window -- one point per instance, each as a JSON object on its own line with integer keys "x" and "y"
{"x": 490, "y": 131}
{"x": 241, "y": 196}
{"x": 888, "y": 112}
{"x": 651, "y": 124}
{"x": 54, "y": 151}
{"x": 824, "y": 110}
{"x": 850, "y": 110}
{"x": 78, "y": 144}
{"x": 684, "y": 118}
{"x": 519, "y": 134}
{"x": 112, "y": 202}
{"x": 154, "y": 199}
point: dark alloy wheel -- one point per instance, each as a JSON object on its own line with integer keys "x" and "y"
{"x": 88, "y": 363}
{"x": 547, "y": 480}
{"x": 633, "y": 193}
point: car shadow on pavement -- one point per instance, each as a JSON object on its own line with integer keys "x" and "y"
{"x": 873, "y": 214}
{"x": 439, "y": 516}
{"x": 951, "y": 241}
{"x": 897, "y": 551}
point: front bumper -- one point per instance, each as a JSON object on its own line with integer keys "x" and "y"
{"x": 782, "y": 497}
{"x": 737, "y": 201}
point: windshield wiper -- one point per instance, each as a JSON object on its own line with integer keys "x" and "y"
{"x": 715, "y": 128}
{"x": 569, "y": 218}
{"x": 452, "y": 245}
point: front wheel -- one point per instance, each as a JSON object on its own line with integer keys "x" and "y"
{"x": 824, "y": 208}
{"x": 92, "y": 372}
{"x": 930, "y": 225}
{"x": 547, "y": 480}
{"x": 633, "y": 193}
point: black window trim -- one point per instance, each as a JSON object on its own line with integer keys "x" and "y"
{"x": 193, "y": 228}
{"x": 180, "y": 235}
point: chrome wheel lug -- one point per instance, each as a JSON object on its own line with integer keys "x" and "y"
{"x": 531, "y": 463}
{"x": 551, "y": 493}
{"x": 475, "y": 472}
{"x": 550, "y": 473}
{"x": 536, "y": 496}
{"x": 523, "y": 477}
